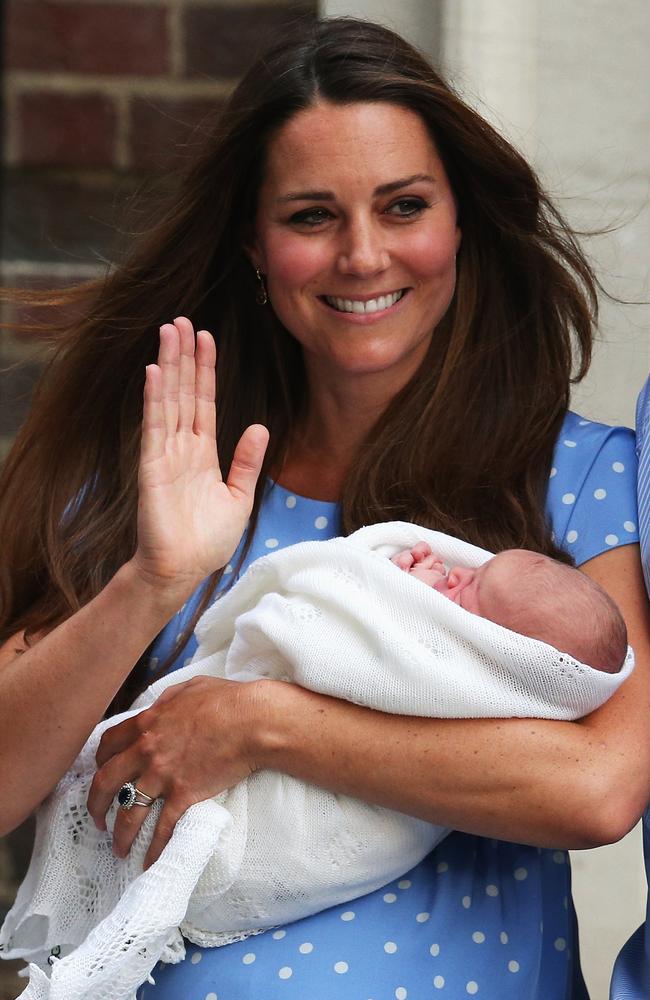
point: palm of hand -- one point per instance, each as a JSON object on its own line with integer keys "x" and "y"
{"x": 189, "y": 520}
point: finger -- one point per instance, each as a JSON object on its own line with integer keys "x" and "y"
{"x": 186, "y": 375}
{"x": 205, "y": 416}
{"x": 107, "y": 782}
{"x": 128, "y": 821}
{"x": 403, "y": 559}
{"x": 167, "y": 821}
{"x": 153, "y": 417}
{"x": 116, "y": 739}
{"x": 420, "y": 551}
{"x": 168, "y": 360}
{"x": 247, "y": 461}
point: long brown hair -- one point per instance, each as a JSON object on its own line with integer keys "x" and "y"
{"x": 465, "y": 448}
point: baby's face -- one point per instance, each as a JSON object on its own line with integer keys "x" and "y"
{"x": 491, "y": 590}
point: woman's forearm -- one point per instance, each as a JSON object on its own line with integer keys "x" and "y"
{"x": 54, "y": 692}
{"x": 561, "y": 784}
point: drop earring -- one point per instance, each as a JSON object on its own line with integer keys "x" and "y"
{"x": 262, "y": 297}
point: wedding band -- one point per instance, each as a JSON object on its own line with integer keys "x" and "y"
{"x": 129, "y": 796}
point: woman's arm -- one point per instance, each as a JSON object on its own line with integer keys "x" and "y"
{"x": 553, "y": 784}
{"x": 189, "y": 523}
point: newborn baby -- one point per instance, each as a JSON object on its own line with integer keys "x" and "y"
{"x": 534, "y": 595}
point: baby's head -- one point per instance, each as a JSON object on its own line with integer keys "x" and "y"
{"x": 543, "y": 599}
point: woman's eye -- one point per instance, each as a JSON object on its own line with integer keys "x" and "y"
{"x": 310, "y": 217}
{"x": 407, "y": 207}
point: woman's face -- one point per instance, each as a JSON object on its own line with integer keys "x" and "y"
{"x": 356, "y": 233}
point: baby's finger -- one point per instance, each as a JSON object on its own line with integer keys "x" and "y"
{"x": 205, "y": 414}
{"x": 403, "y": 559}
{"x": 247, "y": 462}
{"x": 420, "y": 551}
{"x": 168, "y": 360}
{"x": 186, "y": 377}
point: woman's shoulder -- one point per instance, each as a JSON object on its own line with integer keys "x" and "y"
{"x": 592, "y": 490}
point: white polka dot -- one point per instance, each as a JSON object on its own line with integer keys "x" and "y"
{"x": 618, "y": 467}
{"x": 572, "y": 536}
{"x": 434, "y": 950}
{"x": 471, "y": 988}
{"x": 422, "y": 917}
{"x": 228, "y": 570}
{"x": 196, "y": 958}
{"x": 491, "y": 890}
{"x": 569, "y": 444}
{"x": 211, "y": 996}
{"x": 521, "y": 874}
{"x": 439, "y": 982}
{"x": 390, "y": 897}
{"x": 348, "y": 915}
{"x": 478, "y": 937}
{"x": 569, "y": 498}
{"x": 559, "y": 944}
{"x": 513, "y": 966}
{"x": 559, "y": 857}
{"x": 249, "y": 958}
{"x": 400, "y": 993}
{"x": 390, "y": 947}
{"x": 503, "y": 937}
{"x": 278, "y": 935}
{"x": 442, "y": 867}
{"x": 583, "y": 423}
{"x": 466, "y": 901}
{"x": 553, "y": 472}
{"x": 286, "y": 972}
{"x": 629, "y": 525}
{"x": 404, "y": 884}
{"x": 290, "y": 502}
{"x": 341, "y": 967}
{"x": 271, "y": 543}
{"x": 600, "y": 494}
{"x": 320, "y": 523}
{"x": 306, "y": 948}
{"x": 611, "y": 539}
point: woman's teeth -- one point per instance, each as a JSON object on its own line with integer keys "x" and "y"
{"x": 371, "y": 306}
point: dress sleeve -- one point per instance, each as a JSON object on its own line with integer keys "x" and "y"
{"x": 592, "y": 491}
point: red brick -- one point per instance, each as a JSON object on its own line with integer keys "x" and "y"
{"x": 76, "y": 37}
{"x": 167, "y": 130}
{"x": 66, "y": 130}
{"x": 223, "y": 41}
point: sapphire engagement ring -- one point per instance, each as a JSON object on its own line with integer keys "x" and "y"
{"x": 129, "y": 796}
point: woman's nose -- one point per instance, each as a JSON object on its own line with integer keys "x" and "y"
{"x": 363, "y": 252}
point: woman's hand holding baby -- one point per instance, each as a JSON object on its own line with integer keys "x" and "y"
{"x": 189, "y": 520}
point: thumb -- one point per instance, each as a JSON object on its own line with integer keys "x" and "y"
{"x": 247, "y": 461}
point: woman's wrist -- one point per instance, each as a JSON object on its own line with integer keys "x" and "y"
{"x": 162, "y": 596}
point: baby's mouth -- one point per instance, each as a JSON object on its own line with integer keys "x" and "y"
{"x": 364, "y": 306}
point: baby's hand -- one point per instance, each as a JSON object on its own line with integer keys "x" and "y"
{"x": 419, "y": 556}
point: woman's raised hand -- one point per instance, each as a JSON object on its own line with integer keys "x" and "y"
{"x": 189, "y": 520}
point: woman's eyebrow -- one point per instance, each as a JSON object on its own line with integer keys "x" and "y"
{"x": 382, "y": 189}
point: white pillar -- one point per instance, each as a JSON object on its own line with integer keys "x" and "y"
{"x": 417, "y": 20}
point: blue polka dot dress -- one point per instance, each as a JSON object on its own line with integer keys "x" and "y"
{"x": 477, "y": 917}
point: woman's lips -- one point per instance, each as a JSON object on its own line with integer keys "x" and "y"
{"x": 364, "y": 307}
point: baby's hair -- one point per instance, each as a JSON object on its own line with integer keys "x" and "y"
{"x": 569, "y": 610}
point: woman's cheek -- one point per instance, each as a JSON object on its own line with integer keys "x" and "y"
{"x": 294, "y": 263}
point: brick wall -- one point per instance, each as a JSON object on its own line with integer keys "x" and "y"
{"x": 99, "y": 96}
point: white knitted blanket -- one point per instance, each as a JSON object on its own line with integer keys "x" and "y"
{"x": 336, "y": 617}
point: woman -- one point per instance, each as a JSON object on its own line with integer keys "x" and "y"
{"x": 394, "y": 298}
